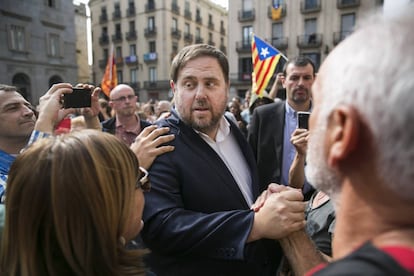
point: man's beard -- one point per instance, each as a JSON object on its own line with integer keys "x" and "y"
{"x": 318, "y": 172}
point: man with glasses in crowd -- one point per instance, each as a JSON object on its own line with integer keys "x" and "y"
{"x": 126, "y": 124}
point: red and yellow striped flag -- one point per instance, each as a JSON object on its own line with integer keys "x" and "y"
{"x": 265, "y": 59}
{"x": 110, "y": 79}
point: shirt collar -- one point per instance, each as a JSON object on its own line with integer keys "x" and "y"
{"x": 291, "y": 112}
{"x": 222, "y": 133}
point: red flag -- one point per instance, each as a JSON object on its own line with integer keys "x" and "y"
{"x": 110, "y": 79}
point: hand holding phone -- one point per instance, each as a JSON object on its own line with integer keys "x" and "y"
{"x": 303, "y": 119}
{"x": 80, "y": 97}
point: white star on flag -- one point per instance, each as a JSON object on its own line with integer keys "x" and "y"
{"x": 264, "y": 52}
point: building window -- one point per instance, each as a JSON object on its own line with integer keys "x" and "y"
{"x": 311, "y": 4}
{"x": 347, "y": 24}
{"x": 277, "y": 30}
{"x": 17, "y": 38}
{"x": 152, "y": 74}
{"x": 310, "y": 30}
{"x": 54, "y": 45}
{"x": 247, "y": 5}
{"x": 174, "y": 24}
{"x": 151, "y": 23}
{"x": 132, "y": 26}
{"x": 134, "y": 75}
{"x": 315, "y": 57}
{"x": 132, "y": 50}
{"x": 120, "y": 76}
{"x": 187, "y": 28}
{"x": 51, "y": 3}
{"x": 105, "y": 53}
{"x": 152, "y": 47}
{"x": 247, "y": 36}
{"x": 118, "y": 51}
{"x": 246, "y": 69}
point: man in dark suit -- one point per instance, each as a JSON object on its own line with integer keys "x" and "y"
{"x": 198, "y": 219}
{"x": 272, "y": 125}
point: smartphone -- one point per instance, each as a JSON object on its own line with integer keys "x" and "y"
{"x": 303, "y": 119}
{"x": 80, "y": 97}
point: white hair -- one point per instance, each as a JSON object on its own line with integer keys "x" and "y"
{"x": 373, "y": 71}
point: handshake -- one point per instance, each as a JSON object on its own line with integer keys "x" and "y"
{"x": 278, "y": 212}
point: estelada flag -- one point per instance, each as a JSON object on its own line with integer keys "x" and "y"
{"x": 264, "y": 59}
{"x": 276, "y": 11}
{"x": 110, "y": 79}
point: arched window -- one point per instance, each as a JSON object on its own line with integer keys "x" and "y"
{"x": 22, "y": 82}
{"x": 55, "y": 79}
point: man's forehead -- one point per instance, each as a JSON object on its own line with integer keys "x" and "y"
{"x": 8, "y": 97}
{"x": 299, "y": 70}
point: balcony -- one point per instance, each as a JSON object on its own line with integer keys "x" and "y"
{"x": 117, "y": 37}
{"x": 135, "y": 85}
{"x": 102, "y": 63}
{"x": 131, "y": 35}
{"x": 211, "y": 42}
{"x": 199, "y": 39}
{"x": 344, "y": 4}
{"x": 157, "y": 85}
{"x": 130, "y": 11}
{"x": 223, "y": 49}
{"x": 175, "y": 33}
{"x": 103, "y": 18}
{"x": 119, "y": 61}
{"x": 211, "y": 26}
{"x": 188, "y": 37}
{"x": 309, "y": 41}
{"x": 246, "y": 15}
{"x": 222, "y": 31}
{"x": 175, "y": 8}
{"x": 199, "y": 20}
{"x": 104, "y": 39}
{"x": 282, "y": 14}
{"x": 150, "y": 7}
{"x": 280, "y": 43}
{"x": 243, "y": 46}
{"x": 116, "y": 15}
{"x": 339, "y": 36}
{"x": 131, "y": 60}
{"x": 245, "y": 76}
{"x": 150, "y": 57}
{"x": 310, "y": 6}
{"x": 187, "y": 14}
{"x": 150, "y": 32}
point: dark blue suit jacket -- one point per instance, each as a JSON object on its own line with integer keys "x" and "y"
{"x": 196, "y": 218}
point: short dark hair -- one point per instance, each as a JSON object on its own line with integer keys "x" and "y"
{"x": 198, "y": 50}
{"x": 300, "y": 61}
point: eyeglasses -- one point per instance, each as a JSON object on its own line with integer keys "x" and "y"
{"x": 143, "y": 181}
{"x": 124, "y": 98}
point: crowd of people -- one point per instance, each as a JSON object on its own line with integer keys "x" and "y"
{"x": 204, "y": 192}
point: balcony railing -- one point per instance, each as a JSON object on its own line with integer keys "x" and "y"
{"x": 307, "y": 6}
{"x": 150, "y": 57}
{"x": 130, "y": 11}
{"x": 104, "y": 39}
{"x": 103, "y": 18}
{"x": 199, "y": 39}
{"x": 131, "y": 35}
{"x": 117, "y": 37}
{"x": 248, "y": 15}
{"x": 339, "y": 36}
{"x": 223, "y": 49}
{"x": 343, "y": 4}
{"x": 160, "y": 84}
{"x": 187, "y": 14}
{"x": 211, "y": 42}
{"x": 176, "y": 33}
{"x": 119, "y": 61}
{"x": 135, "y": 85}
{"x": 175, "y": 8}
{"x": 150, "y": 7}
{"x": 280, "y": 43}
{"x": 211, "y": 25}
{"x": 222, "y": 31}
{"x": 309, "y": 41}
{"x": 199, "y": 19}
{"x": 103, "y": 62}
{"x": 131, "y": 60}
{"x": 116, "y": 15}
{"x": 188, "y": 37}
{"x": 149, "y": 32}
{"x": 243, "y": 46}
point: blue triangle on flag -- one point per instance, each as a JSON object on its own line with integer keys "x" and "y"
{"x": 264, "y": 49}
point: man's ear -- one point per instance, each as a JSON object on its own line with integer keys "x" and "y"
{"x": 172, "y": 85}
{"x": 342, "y": 134}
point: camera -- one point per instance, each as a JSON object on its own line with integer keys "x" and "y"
{"x": 80, "y": 97}
{"x": 303, "y": 119}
